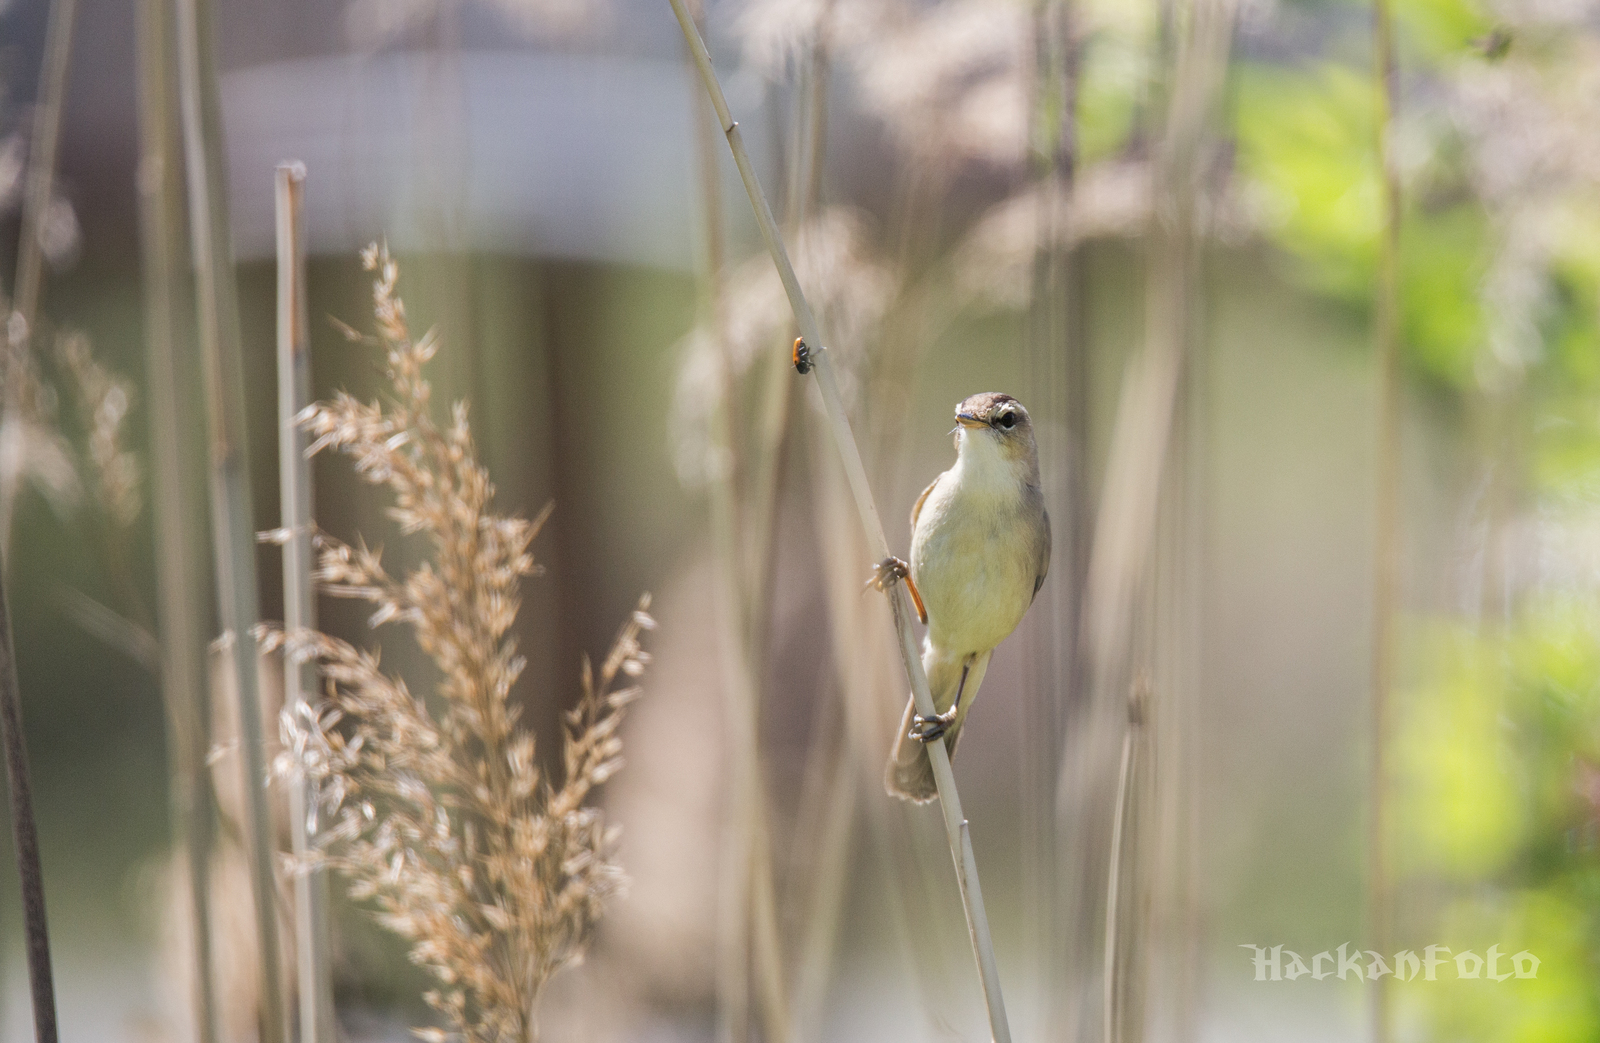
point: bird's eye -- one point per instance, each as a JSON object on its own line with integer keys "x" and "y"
{"x": 1007, "y": 420}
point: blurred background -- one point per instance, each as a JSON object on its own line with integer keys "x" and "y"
{"x": 1341, "y": 557}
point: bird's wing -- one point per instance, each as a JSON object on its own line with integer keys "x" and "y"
{"x": 1043, "y": 552}
{"x": 916, "y": 508}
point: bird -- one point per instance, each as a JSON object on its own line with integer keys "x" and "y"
{"x": 980, "y": 549}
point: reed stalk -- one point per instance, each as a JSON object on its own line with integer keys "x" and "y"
{"x": 1114, "y": 877}
{"x": 1386, "y": 552}
{"x": 827, "y": 383}
{"x": 748, "y": 942}
{"x": 25, "y": 837}
{"x": 315, "y": 991}
{"x": 1059, "y": 375}
{"x": 232, "y": 516}
{"x": 180, "y": 587}
{"x": 1138, "y": 460}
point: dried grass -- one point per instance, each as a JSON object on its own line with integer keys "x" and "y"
{"x": 102, "y": 400}
{"x": 494, "y": 871}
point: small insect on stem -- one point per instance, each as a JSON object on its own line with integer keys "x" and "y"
{"x": 802, "y": 356}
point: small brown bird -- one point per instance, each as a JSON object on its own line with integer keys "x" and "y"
{"x": 980, "y": 548}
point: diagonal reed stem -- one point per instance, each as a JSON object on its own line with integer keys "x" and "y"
{"x": 232, "y": 517}
{"x": 25, "y": 836}
{"x": 299, "y": 608}
{"x": 827, "y": 383}
{"x": 181, "y": 592}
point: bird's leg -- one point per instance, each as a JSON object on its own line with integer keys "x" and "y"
{"x": 891, "y": 569}
{"x": 927, "y": 729}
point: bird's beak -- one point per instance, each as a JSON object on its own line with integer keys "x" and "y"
{"x": 969, "y": 420}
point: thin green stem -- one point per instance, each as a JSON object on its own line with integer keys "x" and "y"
{"x": 180, "y": 592}
{"x": 827, "y": 383}
{"x": 232, "y": 516}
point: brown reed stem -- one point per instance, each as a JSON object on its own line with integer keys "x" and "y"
{"x": 232, "y": 517}
{"x": 1386, "y": 551}
{"x": 299, "y": 606}
{"x": 25, "y": 837}
{"x": 180, "y": 588}
{"x": 827, "y": 383}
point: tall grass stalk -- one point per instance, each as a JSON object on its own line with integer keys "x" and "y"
{"x": 232, "y": 517}
{"x": 1059, "y": 376}
{"x": 315, "y": 986}
{"x": 1114, "y": 879}
{"x": 827, "y": 383}
{"x": 749, "y": 950}
{"x": 1141, "y": 441}
{"x": 1386, "y": 552}
{"x": 832, "y": 789}
{"x": 180, "y": 586}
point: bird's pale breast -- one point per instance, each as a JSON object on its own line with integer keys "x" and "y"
{"x": 974, "y": 560}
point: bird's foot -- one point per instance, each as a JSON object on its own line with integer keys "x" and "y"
{"x": 889, "y": 571}
{"x": 927, "y": 729}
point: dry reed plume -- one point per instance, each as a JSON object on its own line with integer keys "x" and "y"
{"x": 493, "y": 870}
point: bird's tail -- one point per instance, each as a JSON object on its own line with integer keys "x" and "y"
{"x": 909, "y": 773}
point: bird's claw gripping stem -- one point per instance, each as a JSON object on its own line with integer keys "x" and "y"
{"x": 888, "y": 571}
{"x": 927, "y": 729}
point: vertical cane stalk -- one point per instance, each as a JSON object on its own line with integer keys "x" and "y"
{"x": 299, "y": 607}
{"x": 1386, "y": 551}
{"x": 1138, "y": 461}
{"x": 1114, "y": 878}
{"x": 827, "y": 383}
{"x": 232, "y": 517}
{"x": 1058, "y": 371}
{"x": 749, "y": 951}
{"x": 180, "y": 592}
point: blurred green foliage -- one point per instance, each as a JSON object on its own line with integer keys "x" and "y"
{"x": 1496, "y": 754}
{"x": 1498, "y": 810}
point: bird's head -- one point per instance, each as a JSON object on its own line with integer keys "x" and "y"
{"x": 991, "y": 425}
